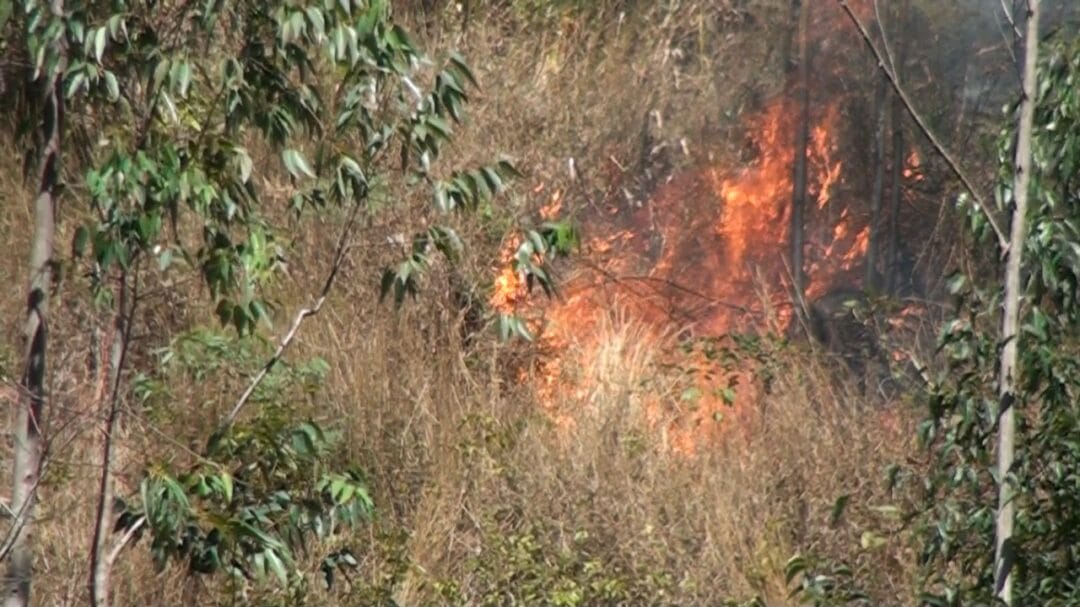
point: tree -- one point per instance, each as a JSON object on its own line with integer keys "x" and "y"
{"x": 1010, "y": 324}
{"x": 49, "y": 48}
{"x": 181, "y": 96}
{"x": 802, "y": 139}
{"x": 877, "y": 192}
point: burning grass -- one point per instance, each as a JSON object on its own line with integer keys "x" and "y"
{"x": 632, "y": 460}
{"x": 615, "y": 488}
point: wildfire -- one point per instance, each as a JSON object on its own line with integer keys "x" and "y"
{"x": 696, "y": 254}
{"x": 706, "y": 254}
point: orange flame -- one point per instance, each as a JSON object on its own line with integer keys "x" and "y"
{"x": 694, "y": 254}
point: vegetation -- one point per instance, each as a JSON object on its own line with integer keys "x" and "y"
{"x": 260, "y": 366}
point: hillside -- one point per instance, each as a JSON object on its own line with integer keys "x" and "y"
{"x": 546, "y": 302}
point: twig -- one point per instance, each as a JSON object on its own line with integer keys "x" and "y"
{"x": 1003, "y": 242}
{"x": 343, "y": 246}
{"x": 884, "y": 38}
{"x": 124, "y": 541}
{"x": 1009, "y": 18}
{"x": 20, "y": 519}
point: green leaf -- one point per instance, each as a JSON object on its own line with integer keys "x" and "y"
{"x": 277, "y": 566}
{"x": 691, "y": 395}
{"x": 99, "y": 43}
{"x": 161, "y": 71}
{"x": 182, "y": 79}
{"x": 244, "y": 164}
{"x": 112, "y": 86}
{"x": 226, "y": 486}
{"x": 295, "y": 163}
{"x": 794, "y": 567}
{"x": 459, "y": 63}
{"x": 871, "y": 541}
{"x": 75, "y": 83}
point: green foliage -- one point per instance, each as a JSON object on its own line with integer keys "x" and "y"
{"x": 330, "y": 86}
{"x": 260, "y": 493}
{"x": 532, "y": 259}
{"x": 526, "y": 568}
{"x": 720, "y": 363}
{"x": 957, "y": 520}
{"x": 822, "y": 583}
{"x": 184, "y": 101}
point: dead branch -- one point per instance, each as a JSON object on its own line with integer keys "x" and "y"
{"x": 343, "y": 245}
{"x": 954, "y": 166}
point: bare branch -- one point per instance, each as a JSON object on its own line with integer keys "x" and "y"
{"x": 1008, "y": 17}
{"x": 124, "y": 541}
{"x": 343, "y": 246}
{"x": 954, "y": 166}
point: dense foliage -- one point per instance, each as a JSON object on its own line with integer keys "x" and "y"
{"x": 204, "y": 128}
{"x": 958, "y": 522}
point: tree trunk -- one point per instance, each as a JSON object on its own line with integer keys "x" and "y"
{"x": 892, "y": 257}
{"x": 895, "y": 195}
{"x": 881, "y": 103}
{"x": 32, "y": 399}
{"x": 100, "y": 563}
{"x": 1004, "y": 555}
{"x": 802, "y": 137}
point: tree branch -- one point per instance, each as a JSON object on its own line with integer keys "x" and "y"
{"x": 954, "y": 166}
{"x": 343, "y": 245}
{"x": 124, "y": 541}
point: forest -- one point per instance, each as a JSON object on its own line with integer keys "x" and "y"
{"x": 745, "y": 303}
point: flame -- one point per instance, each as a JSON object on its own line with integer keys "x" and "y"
{"x": 823, "y": 146}
{"x": 706, "y": 253}
{"x": 508, "y": 291}
{"x": 913, "y": 166}
{"x": 551, "y": 210}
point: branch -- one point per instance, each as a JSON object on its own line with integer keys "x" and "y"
{"x": 1003, "y": 242}
{"x": 124, "y": 541}
{"x": 343, "y": 246}
{"x": 19, "y": 517}
{"x": 100, "y": 569}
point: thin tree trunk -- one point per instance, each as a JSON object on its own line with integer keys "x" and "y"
{"x": 1004, "y": 556}
{"x": 895, "y": 195}
{"x": 100, "y": 563}
{"x": 881, "y": 103}
{"x": 802, "y": 137}
{"x": 28, "y": 446}
{"x": 892, "y": 259}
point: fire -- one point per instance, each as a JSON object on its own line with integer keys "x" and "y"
{"x": 508, "y": 291}
{"x": 858, "y": 249}
{"x": 749, "y": 199}
{"x": 913, "y": 166}
{"x": 694, "y": 255}
{"x": 704, "y": 255}
{"x": 553, "y": 207}
{"x": 823, "y": 146}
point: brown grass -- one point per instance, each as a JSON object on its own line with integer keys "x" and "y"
{"x": 458, "y": 451}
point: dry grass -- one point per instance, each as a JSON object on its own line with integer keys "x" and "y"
{"x": 460, "y": 453}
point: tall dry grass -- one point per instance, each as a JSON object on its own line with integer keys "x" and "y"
{"x": 460, "y": 452}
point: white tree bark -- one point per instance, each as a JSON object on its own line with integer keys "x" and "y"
{"x": 1006, "y": 515}
{"x": 32, "y": 399}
